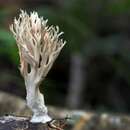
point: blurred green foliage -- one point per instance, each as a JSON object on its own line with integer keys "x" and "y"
{"x": 72, "y": 20}
{"x": 7, "y": 46}
{"x": 96, "y": 29}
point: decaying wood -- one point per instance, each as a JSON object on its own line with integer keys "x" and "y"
{"x": 20, "y": 123}
{"x": 79, "y": 121}
{"x": 23, "y": 123}
{"x": 102, "y": 121}
{"x": 82, "y": 120}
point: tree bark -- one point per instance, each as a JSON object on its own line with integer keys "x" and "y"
{"x": 76, "y": 85}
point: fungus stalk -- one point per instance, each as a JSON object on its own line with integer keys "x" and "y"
{"x": 38, "y": 45}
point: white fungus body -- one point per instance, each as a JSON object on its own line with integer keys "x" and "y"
{"x": 38, "y": 45}
{"x": 35, "y": 101}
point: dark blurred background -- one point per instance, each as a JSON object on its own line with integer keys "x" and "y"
{"x": 93, "y": 70}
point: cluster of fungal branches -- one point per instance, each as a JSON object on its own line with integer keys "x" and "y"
{"x": 38, "y": 45}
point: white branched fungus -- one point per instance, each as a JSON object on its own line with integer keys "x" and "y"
{"x": 39, "y": 46}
